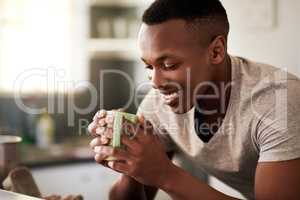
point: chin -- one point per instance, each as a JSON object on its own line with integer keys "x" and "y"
{"x": 181, "y": 109}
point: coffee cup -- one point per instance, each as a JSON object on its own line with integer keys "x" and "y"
{"x": 9, "y": 154}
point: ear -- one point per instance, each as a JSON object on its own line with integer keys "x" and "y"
{"x": 217, "y": 50}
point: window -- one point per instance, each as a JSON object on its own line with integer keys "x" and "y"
{"x": 38, "y": 35}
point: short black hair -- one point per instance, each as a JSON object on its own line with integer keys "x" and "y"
{"x": 209, "y": 13}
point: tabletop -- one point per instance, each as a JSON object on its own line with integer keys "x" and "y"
{"x": 5, "y": 195}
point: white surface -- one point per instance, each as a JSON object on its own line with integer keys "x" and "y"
{"x": 278, "y": 46}
{"x": 260, "y": 13}
{"x": 111, "y": 45}
{"x": 124, "y": 3}
{"x": 90, "y": 180}
{"x": 4, "y": 195}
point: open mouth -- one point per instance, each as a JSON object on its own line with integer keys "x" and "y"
{"x": 171, "y": 98}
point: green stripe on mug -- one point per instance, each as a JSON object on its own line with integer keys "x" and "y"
{"x": 117, "y": 129}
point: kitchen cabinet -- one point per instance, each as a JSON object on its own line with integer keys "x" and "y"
{"x": 112, "y": 50}
{"x": 114, "y": 26}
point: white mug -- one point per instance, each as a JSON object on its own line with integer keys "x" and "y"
{"x": 9, "y": 154}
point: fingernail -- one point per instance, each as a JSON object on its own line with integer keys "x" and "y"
{"x": 101, "y": 113}
{"x": 110, "y": 164}
{"x": 110, "y": 112}
{"x": 102, "y": 122}
{"x": 110, "y": 125}
{"x": 104, "y": 140}
{"x": 100, "y": 130}
{"x": 90, "y": 127}
{"x": 109, "y": 119}
{"x": 98, "y": 149}
{"x": 93, "y": 143}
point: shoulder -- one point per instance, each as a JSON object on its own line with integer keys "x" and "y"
{"x": 257, "y": 72}
{"x": 262, "y": 86}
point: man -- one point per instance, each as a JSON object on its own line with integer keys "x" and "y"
{"x": 230, "y": 117}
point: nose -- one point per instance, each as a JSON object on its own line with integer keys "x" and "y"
{"x": 157, "y": 79}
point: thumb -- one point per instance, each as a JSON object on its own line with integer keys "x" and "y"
{"x": 145, "y": 124}
{"x": 141, "y": 119}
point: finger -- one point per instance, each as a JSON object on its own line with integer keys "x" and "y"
{"x": 109, "y": 132}
{"x": 108, "y": 151}
{"x": 69, "y": 197}
{"x": 101, "y": 161}
{"x": 148, "y": 127}
{"x": 130, "y": 142}
{"x": 52, "y": 197}
{"x": 146, "y": 124}
{"x": 141, "y": 118}
{"x": 104, "y": 140}
{"x": 100, "y": 130}
{"x": 98, "y": 141}
{"x": 97, "y": 128}
{"x": 109, "y": 119}
{"x": 92, "y": 128}
{"x": 78, "y": 197}
{"x": 119, "y": 166}
{"x": 100, "y": 114}
{"x": 100, "y": 158}
{"x": 104, "y": 131}
{"x": 102, "y": 122}
{"x": 128, "y": 127}
{"x": 95, "y": 142}
{"x": 132, "y": 130}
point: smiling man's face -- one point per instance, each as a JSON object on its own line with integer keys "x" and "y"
{"x": 178, "y": 61}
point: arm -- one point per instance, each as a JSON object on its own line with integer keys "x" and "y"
{"x": 142, "y": 166}
{"x": 151, "y": 166}
{"x": 127, "y": 188}
{"x": 274, "y": 180}
{"x": 278, "y": 180}
{"x": 189, "y": 188}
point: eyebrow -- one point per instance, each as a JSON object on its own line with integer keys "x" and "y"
{"x": 161, "y": 58}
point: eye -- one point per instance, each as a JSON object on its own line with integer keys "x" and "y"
{"x": 149, "y": 71}
{"x": 149, "y": 67}
{"x": 169, "y": 65}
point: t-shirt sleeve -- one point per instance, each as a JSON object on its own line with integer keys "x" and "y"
{"x": 148, "y": 108}
{"x": 278, "y": 130}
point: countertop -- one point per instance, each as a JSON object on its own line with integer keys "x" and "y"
{"x": 75, "y": 150}
{"x": 5, "y": 195}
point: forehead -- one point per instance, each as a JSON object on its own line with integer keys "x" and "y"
{"x": 171, "y": 37}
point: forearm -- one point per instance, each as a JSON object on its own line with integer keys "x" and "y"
{"x": 181, "y": 185}
{"x": 127, "y": 188}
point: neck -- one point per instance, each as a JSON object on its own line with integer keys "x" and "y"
{"x": 223, "y": 71}
{"x": 221, "y": 81}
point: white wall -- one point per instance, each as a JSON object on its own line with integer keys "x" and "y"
{"x": 278, "y": 44}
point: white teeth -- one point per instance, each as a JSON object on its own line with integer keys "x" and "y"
{"x": 170, "y": 97}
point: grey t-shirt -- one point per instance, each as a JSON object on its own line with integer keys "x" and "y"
{"x": 262, "y": 124}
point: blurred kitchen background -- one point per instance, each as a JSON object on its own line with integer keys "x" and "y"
{"x": 52, "y": 53}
